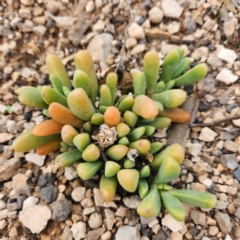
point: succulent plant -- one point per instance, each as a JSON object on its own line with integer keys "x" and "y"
{"x": 112, "y": 135}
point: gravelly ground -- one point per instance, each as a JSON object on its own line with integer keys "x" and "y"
{"x": 208, "y": 30}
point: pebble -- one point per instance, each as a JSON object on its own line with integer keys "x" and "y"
{"x": 171, "y": 223}
{"x": 3, "y": 214}
{"x": 78, "y": 194}
{"x": 19, "y": 181}
{"x": 198, "y": 217}
{"x": 70, "y": 173}
{"x": 88, "y": 211}
{"x": 78, "y": 230}
{"x": 226, "y": 54}
{"x": 40, "y": 30}
{"x": 223, "y": 221}
{"x": 95, "y": 220}
{"x": 106, "y": 236}
{"x": 228, "y": 28}
{"x": 131, "y": 42}
{"x": 67, "y": 234}
{"x": 236, "y": 173}
{"x": 110, "y": 218}
{"x": 46, "y": 179}
{"x": 98, "y": 26}
{"x": 61, "y": 209}
{"x": 173, "y": 27}
{"x": 208, "y": 25}
{"x": 136, "y": 31}
{"x": 3, "y": 224}
{"x": 48, "y": 194}
{"x": 90, "y": 6}
{"x": 9, "y": 168}
{"x": 138, "y": 49}
{"x": 127, "y": 233}
{"x": 95, "y": 234}
{"x": 155, "y": 15}
{"x": 226, "y": 76}
{"x": 171, "y": 9}
{"x": 38, "y": 220}
{"x": 194, "y": 149}
{"x": 35, "y": 158}
{"x": 30, "y": 202}
{"x": 2, "y": 204}
{"x": 132, "y": 201}
{"x": 100, "y": 48}
{"x": 229, "y": 161}
{"x": 27, "y": 2}
{"x": 207, "y": 134}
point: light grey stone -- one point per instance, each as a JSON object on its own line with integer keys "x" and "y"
{"x": 95, "y": 220}
{"x": 78, "y": 230}
{"x": 78, "y": 194}
{"x": 226, "y": 76}
{"x": 136, "y": 31}
{"x": 171, "y": 9}
{"x": 127, "y": 233}
{"x": 132, "y": 201}
{"x": 155, "y": 15}
{"x": 35, "y": 158}
{"x": 9, "y": 168}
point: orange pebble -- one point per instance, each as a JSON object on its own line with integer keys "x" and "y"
{"x": 48, "y": 127}
{"x": 112, "y": 116}
{"x": 49, "y": 147}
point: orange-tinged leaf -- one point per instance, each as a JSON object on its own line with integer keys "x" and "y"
{"x": 64, "y": 115}
{"x": 47, "y": 128}
{"x": 177, "y": 115}
{"x": 112, "y": 116}
{"x": 49, "y": 147}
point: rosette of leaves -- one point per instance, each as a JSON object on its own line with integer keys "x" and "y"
{"x": 113, "y": 136}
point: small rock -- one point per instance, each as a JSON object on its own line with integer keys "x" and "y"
{"x": 27, "y": 2}
{"x": 40, "y": 30}
{"x": 155, "y": 15}
{"x": 131, "y": 42}
{"x": 78, "y": 194}
{"x": 198, "y": 217}
{"x": 3, "y": 224}
{"x": 110, "y": 218}
{"x": 213, "y": 61}
{"x": 79, "y": 230}
{"x": 38, "y": 220}
{"x": 35, "y": 158}
{"x": 229, "y": 161}
{"x": 173, "y": 27}
{"x": 98, "y": 26}
{"x": 95, "y": 220}
{"x": 2, "y": 204}
{"x": 30, "y": 202}
{"x": 226, "y": 54}
{"x": 132, "y": 201}
{"x": 98, "y": 199}
{"x": 231, "y": 146}
{"x": 70, "y": 173}
{"x": 226, "y": 76}
{"x": 47, "y": 179}
{"x": 12, "y": 206}
{"x": 100, "y": 48}
{"x": 138, "y": 49}
{"x": 3, "y": 214}
{"x": 48, "y": 194}
{"x": 171, "y": 223}
{"x": 237, "y": 213}
{"x": 28, "y": 26}
{"x": 127, "y": 233}
{"x": 5, "y": 137}
{"x": 136, "y": 31}
{"x": 90, "y": 6}
{"x": 19, "y": 181}
{"x": 88, "y": 211}
{"x": 8, "y": 70}
{"x": 95, "y": 234}
{"x": 106, "y": 236}
{"x": 176, "y": 236}
{"x": 67, "y": 234}
{"x": 171, "y": 9}
{"x": 208, "y": 25}
{"x": 223, "y": 221}
{"x": 194, "y": 149}
{"x": 228, "y": 28}
{"x": 61, "y": 209}
{"x": 156, "y": 33}
{"x": 236, "y": 173}
{"x": 200, "y": 53}
{"x": 207, "y": 134}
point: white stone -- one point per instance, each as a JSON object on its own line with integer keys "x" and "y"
{"x": 173, "y": 27}
{"x": 35, "y": 218}
{"x": 208, "y": 25}
{"x": 3, "y": 214}
{"x": 138, "y": 49}
{"x": 207, "y": 134}
{"x": 228, "y": 28}
{"x": 132, "y": 201}
{"x": 78, "y": 194}
{"x": 236, "y": 122}
{"x": 3, "y": 224}
{"x": 30, "y": 202}
{"x": 90, "y": 6}
{"x": 198, "y": 217}
{"x": 171, "y": 223}
{"x": 95, "y": 220}
{"x": 200, "y": 53}
{"x": 131, "y": 42}
{"x": 155, "y": 15}
{"x": 98, "y": 3}
{"x": 27, "y": 2}
{"x": 171, "y": 9}
{"x": 19, "y": 181}
{"x": 35, "y": 158}
{"x": 194, "y": 149}
{"x": 207, "y": 183}
{"x": 110, "y": 218}
{"x": 2, "y": 204}
{"x": 78, "y": 230}
{"x": 213, "y": 61}
{"x": 106, "y": 236}
{"x": 98, "y": 26}
{"x": 26, "y": 72}
{"x": 136, "y": 31}
{"x": 127, "y": 233}
{"x": 40, "y": 30}
{"x": 226, "y": 54}
{"x": 226, "y": 76}
{"x": 70, "y": 173}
